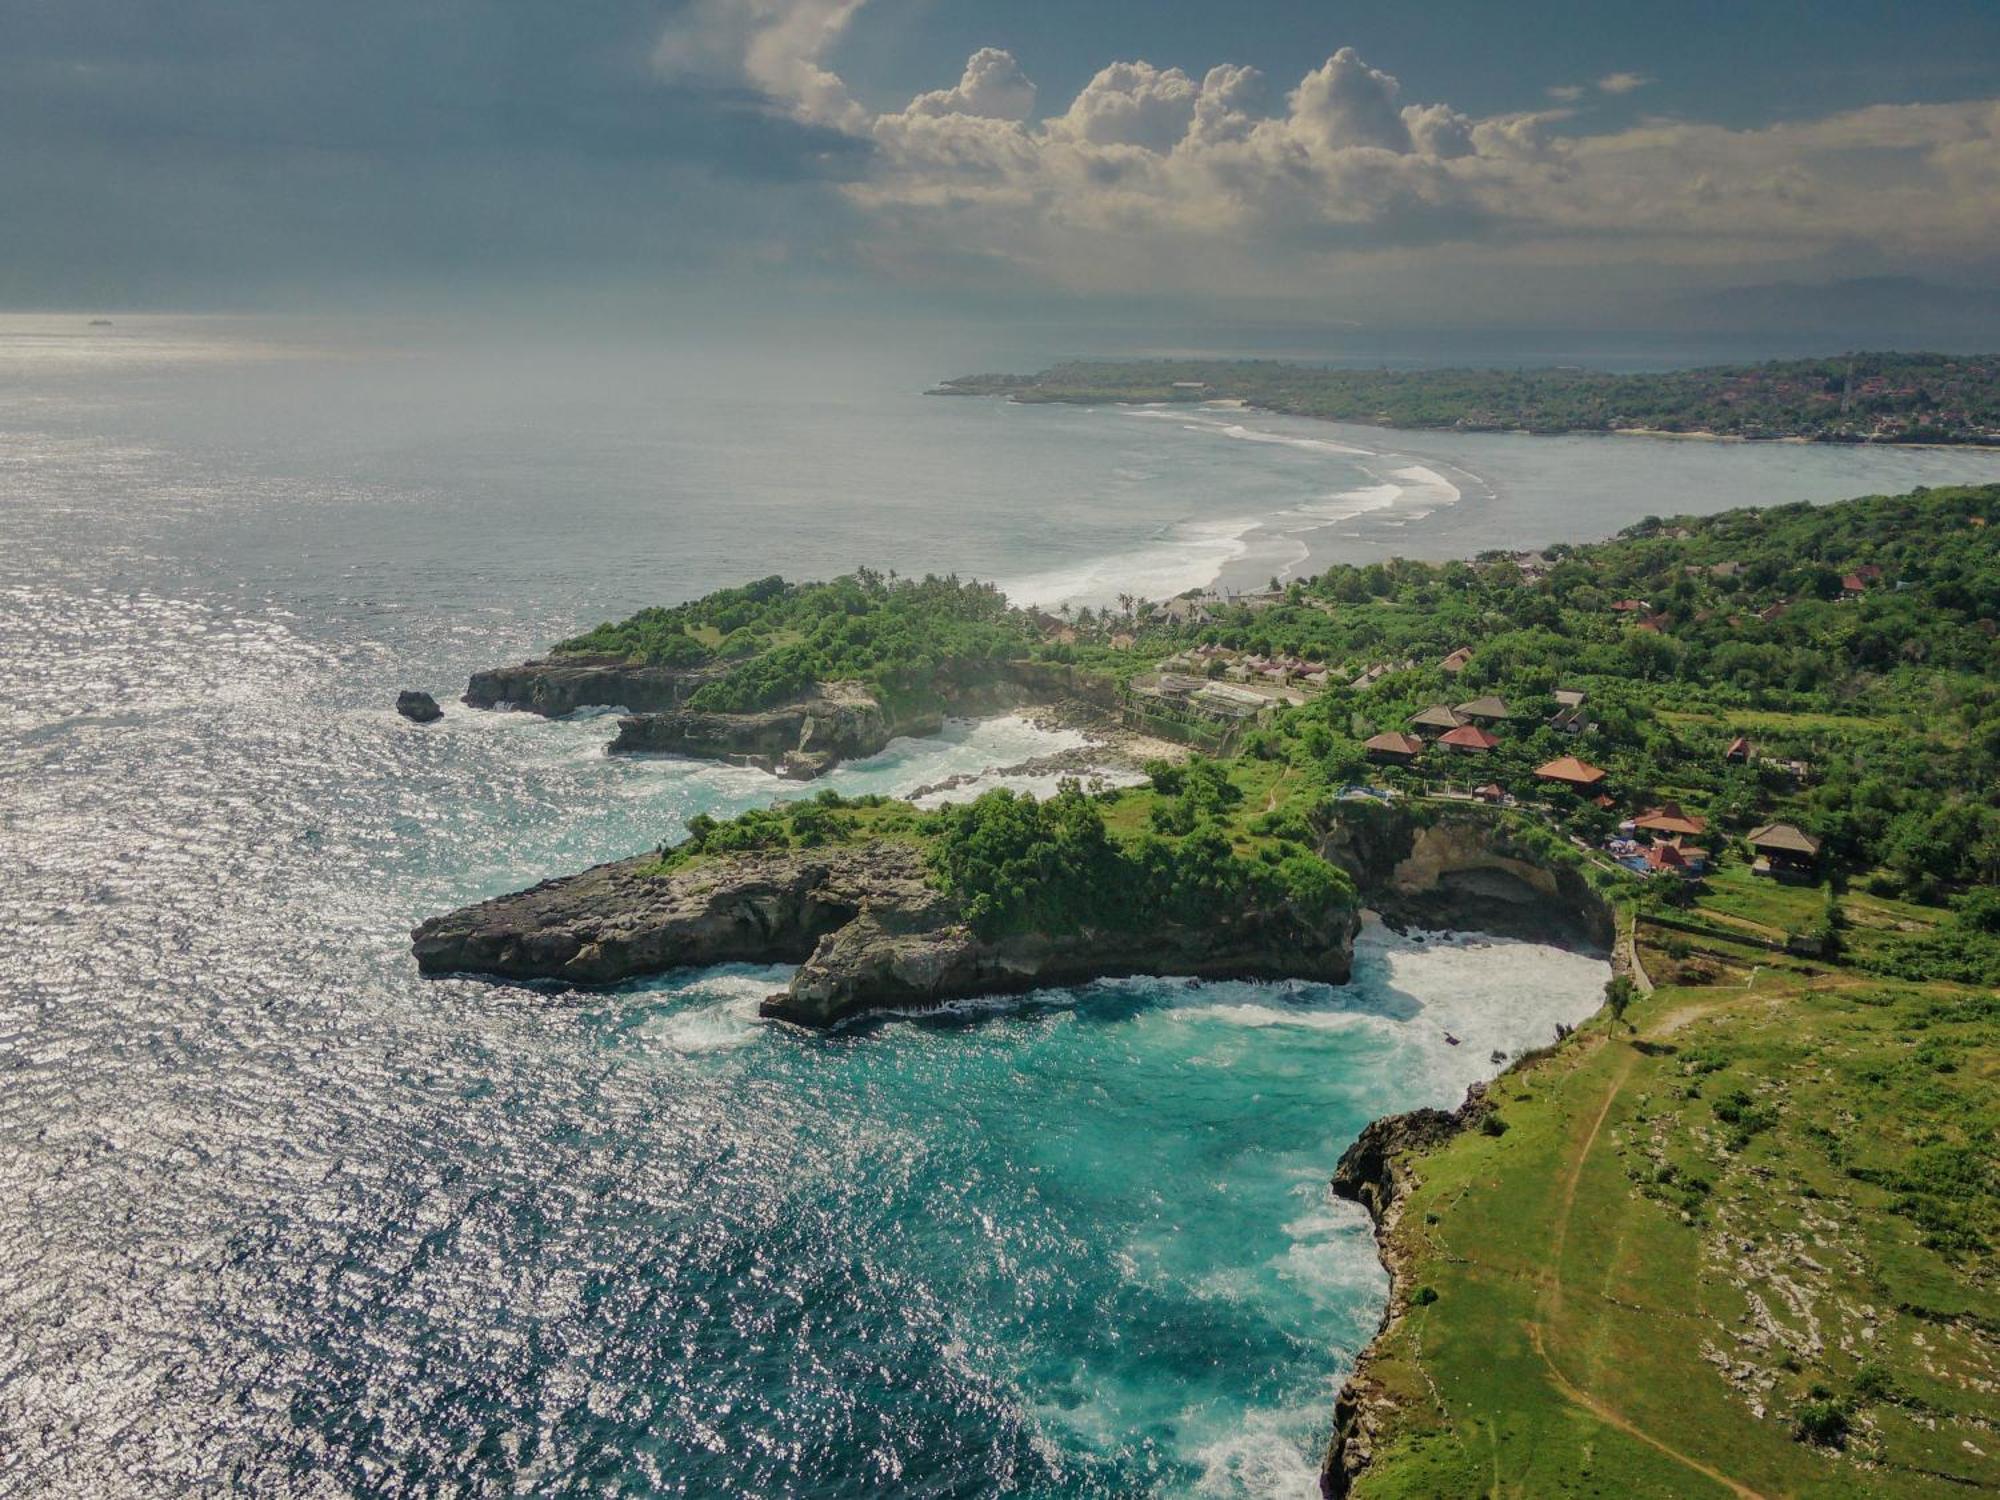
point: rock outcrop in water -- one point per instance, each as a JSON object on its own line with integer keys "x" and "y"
{"x": 418, "y": 708}
{"x": 864, "y": 924}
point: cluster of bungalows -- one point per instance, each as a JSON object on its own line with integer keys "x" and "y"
{"x": 1282, "y": 670}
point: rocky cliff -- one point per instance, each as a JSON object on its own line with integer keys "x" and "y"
{"x": 867, "y": 930}
{"x": 836, "y": 721}
{"x": 558, "y": 685}
{"x": 1375, "y": 1172}
{"x": 799, "y": 740}
{"x": 1463, "y": 868}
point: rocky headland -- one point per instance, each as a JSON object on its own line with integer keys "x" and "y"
{"x": 865, "y": 924}
{"x": 870, "y": 930}
{"x": 800, "y": 739}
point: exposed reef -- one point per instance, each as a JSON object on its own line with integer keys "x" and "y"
{"x": 866, "y": 927}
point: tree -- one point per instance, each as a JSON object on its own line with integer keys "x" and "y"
{"x": 1619, "y": 994}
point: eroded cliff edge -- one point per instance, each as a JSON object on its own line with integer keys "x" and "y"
{"x": 865, "y": 925}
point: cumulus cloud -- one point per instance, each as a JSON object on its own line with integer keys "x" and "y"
{"x": 1344, "y": 102}
{"x": 1152, "y": 179}
{"x": 775, "y": 46}
{"x": 992, "y": 87}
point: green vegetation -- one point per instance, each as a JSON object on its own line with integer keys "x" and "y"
{"x": 1748, "y": 1250}
{"x": 1737, "y": 1235}
{"x": 771, "y": 641}
{"x": 1909, "y": 398}
{"x": 1015, "y": 864}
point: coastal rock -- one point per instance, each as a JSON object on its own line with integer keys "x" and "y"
{"x": 1376, "y": 1172}
{"x": 799, "y": 740}
{"x": 1452, "y": 868}
{"x": 418, "y": 708}
{"x": 897, "y": 960}
{"x": 626, "y": 919}
{"x": 562, "y": 684}
{"x": 868, "y": 930}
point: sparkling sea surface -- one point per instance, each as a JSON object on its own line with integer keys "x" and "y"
{"x": 277, "y": 1217}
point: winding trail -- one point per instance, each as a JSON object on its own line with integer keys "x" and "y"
{"x": 1552, "y": 1295}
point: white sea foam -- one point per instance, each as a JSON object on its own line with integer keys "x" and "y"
{"x": 717, "y": 1013}
{"x": 1188, "y": 556}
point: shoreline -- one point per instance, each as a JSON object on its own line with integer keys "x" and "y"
{"x": 1239, "y": 403}
{"x": 1376, "y": 1172}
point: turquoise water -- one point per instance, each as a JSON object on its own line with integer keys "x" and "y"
{"x": 278, "y": 1217}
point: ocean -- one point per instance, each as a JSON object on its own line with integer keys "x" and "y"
{"x": 277, "y": 1217}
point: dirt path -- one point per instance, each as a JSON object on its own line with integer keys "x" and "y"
{"x": 1552, "y": 1295}
{"x": 1611, "y": 1418}
{"x": 1271, "y": 802}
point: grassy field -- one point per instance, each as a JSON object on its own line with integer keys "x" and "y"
{"x": 1742, "y": 1249}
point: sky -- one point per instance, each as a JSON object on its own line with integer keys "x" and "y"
{"x": 1115, "y": 164}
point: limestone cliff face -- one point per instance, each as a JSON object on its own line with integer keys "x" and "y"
{"x": 1462, "y": 868}
{"x": 868, "y": 930}
{"x": 884, "y": 960}
{"x": 620, "y": 921}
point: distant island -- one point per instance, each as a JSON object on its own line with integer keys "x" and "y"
{"x": 1849, "y": 398}
{"x": 1735, "y": 1233}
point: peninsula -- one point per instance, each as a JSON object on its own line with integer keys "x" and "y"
{"x": 1735, "y": 1234}
{"x": 1849, "y": 398}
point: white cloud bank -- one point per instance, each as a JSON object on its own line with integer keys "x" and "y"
{"x": 1153, "y": 180}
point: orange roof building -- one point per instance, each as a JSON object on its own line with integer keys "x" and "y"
{"x": 1668, "y": 818}
{"x": 1469, "y": 739}
{"x": 1571, "y": 772}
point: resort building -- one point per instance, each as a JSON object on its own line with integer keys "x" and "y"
{"x": 1486, "y": 710}
{"x": 1393, "y": 749}
{"x": 1740, "y": 752}
{"x": 1457, "y": 661}
{"x": 1228, "y": 702}
{"x": 1669, "y": 821}
{"x": 1783, "y": 851}
{"x": 1469, "y": 739}
{"x": 1435, "y": 720}
{"x": 1577, "y": 775}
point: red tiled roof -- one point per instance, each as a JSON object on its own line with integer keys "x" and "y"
{"x": 1571, "y": 771}
{"x": 1468, "y": 737}
{"x": 1669, "y": 819}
